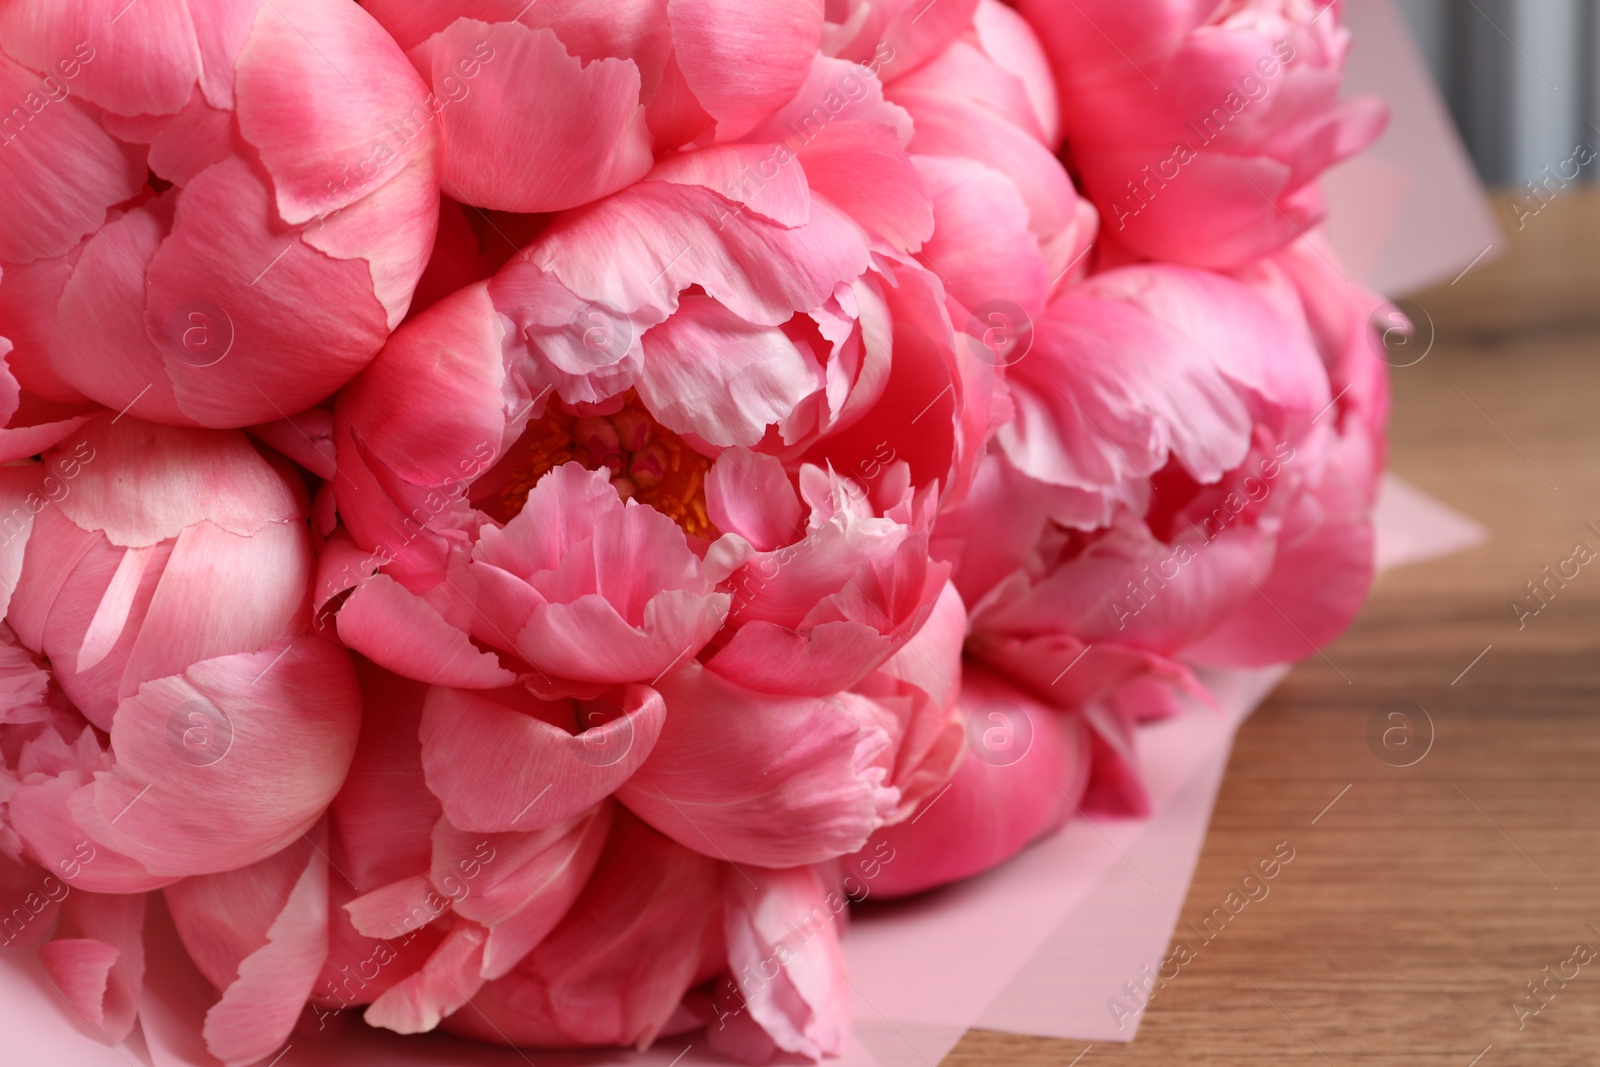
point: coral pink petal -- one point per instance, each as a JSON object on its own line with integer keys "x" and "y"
{"x": 247, "y": 279}
{"x": 195, "y": 614}
{"x": 497, "y": 767}
{"x": 147, "y": 64}
{"x": 401, "y": 631}
{"x": 755, "y": 778}
{"x": 259, "y": 1008}
{"x": 999, "y": 801}
{"x": 552, "y": 105}
{"x": 141, "y": 483}
{"x": 617, "y": 967}
{"x": 97, "y": 958}
{"x": 861, "y": 168}
{"x": 518, "y": 885}
{"x": 444, "y": 984}
{"x": 100, "y": 347}
{"x": 218, "y": 766}
{"x": 50, "y": 207}
{"x": 749, "y": 494}
{"x": 760, "y": 177}
{"x": 287, "y": 87}
{"x": 710, "y": 373}
{"x": 790, "y": 917}
{"x": 743, "y": 58}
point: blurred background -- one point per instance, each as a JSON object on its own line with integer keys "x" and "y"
{"x": 1519, "y": 78}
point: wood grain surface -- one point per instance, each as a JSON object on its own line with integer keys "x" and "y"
{"x": 1421, "y": 903}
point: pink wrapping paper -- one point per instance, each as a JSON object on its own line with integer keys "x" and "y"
{"x": 1036, "y": 946}
{"x": 1409, "y": 211}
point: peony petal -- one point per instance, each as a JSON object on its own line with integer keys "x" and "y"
{"x": 220, "y": 766}
{"x": 497, "y": 768}
{"x": 400, "y": 631}
{"x": 287, "y": 86}
{"x": 259, "y": 1008}
{"x": 743, "y": 58}
{"x": 617, "y": 966}
{"x": 229, "y": 258}
{"x": 443, "y": 985}
{"x": 97, "y": 959}
{"x": 712, "y": 374}
{"x": 518, "y": 885}
{"x": 49, "y": 207}
{"x": 770, "y": 780}
{"x": 554, "y": 106}
{"x": 789, "y": 918}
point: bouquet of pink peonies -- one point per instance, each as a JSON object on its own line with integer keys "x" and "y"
{"x": 512, "y": 516}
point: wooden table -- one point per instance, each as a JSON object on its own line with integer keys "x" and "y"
{"x": 1421, "y": 903}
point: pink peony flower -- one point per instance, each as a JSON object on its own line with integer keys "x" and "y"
{"x": 1188, "y": 480}
{"x": 597, "y": 92}
{"x": 218, "y": 212}
{"x": 639, "y": 480}
{"x": 168, "y": 713}
{"x": 1199, "y": 128}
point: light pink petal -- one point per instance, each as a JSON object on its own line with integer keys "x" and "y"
{"x": 789, "y": 921}
{"x": 112, "y": 613}
{"x": 496, "y": 767}
{"x": 218, "y": 766}
{"x": 743, "y": 58}
{"x": 588, "y": 641}
{"x": 1006, "y": 38}
{"x": 318, "y": 87}
{"x": 617, "y": 966}
{"x": 764, "y": 178}
{"x": 259, "y": 1008}
{"x": 710, "y": 373}
{"x": 834, "y": 91}
{"x": 861, "y": 168}
{"x": 1109, "y": 393}
{"x": 400, "y": 631}
{"x": 641, "y": 247}
{"x": 983, "y": 249}
{"x": 749, "y": 494}
{"x": 918, "y": 32}
{"x": 49, "y": 207}
{"x": 195, "y": 613}
{"x": 248, "y": 278}
{"x": 553, "y": 105}
{"x": 770, "y": 780}
{"x": 141, "y": 483}
{"x": 97, "y": 958}
{"x": 444, "y": 984}
{"x": 518, "y": 885}
{"x": 38, "y": 812}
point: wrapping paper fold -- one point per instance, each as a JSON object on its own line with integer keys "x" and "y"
{"x": 1042, "y": 945}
